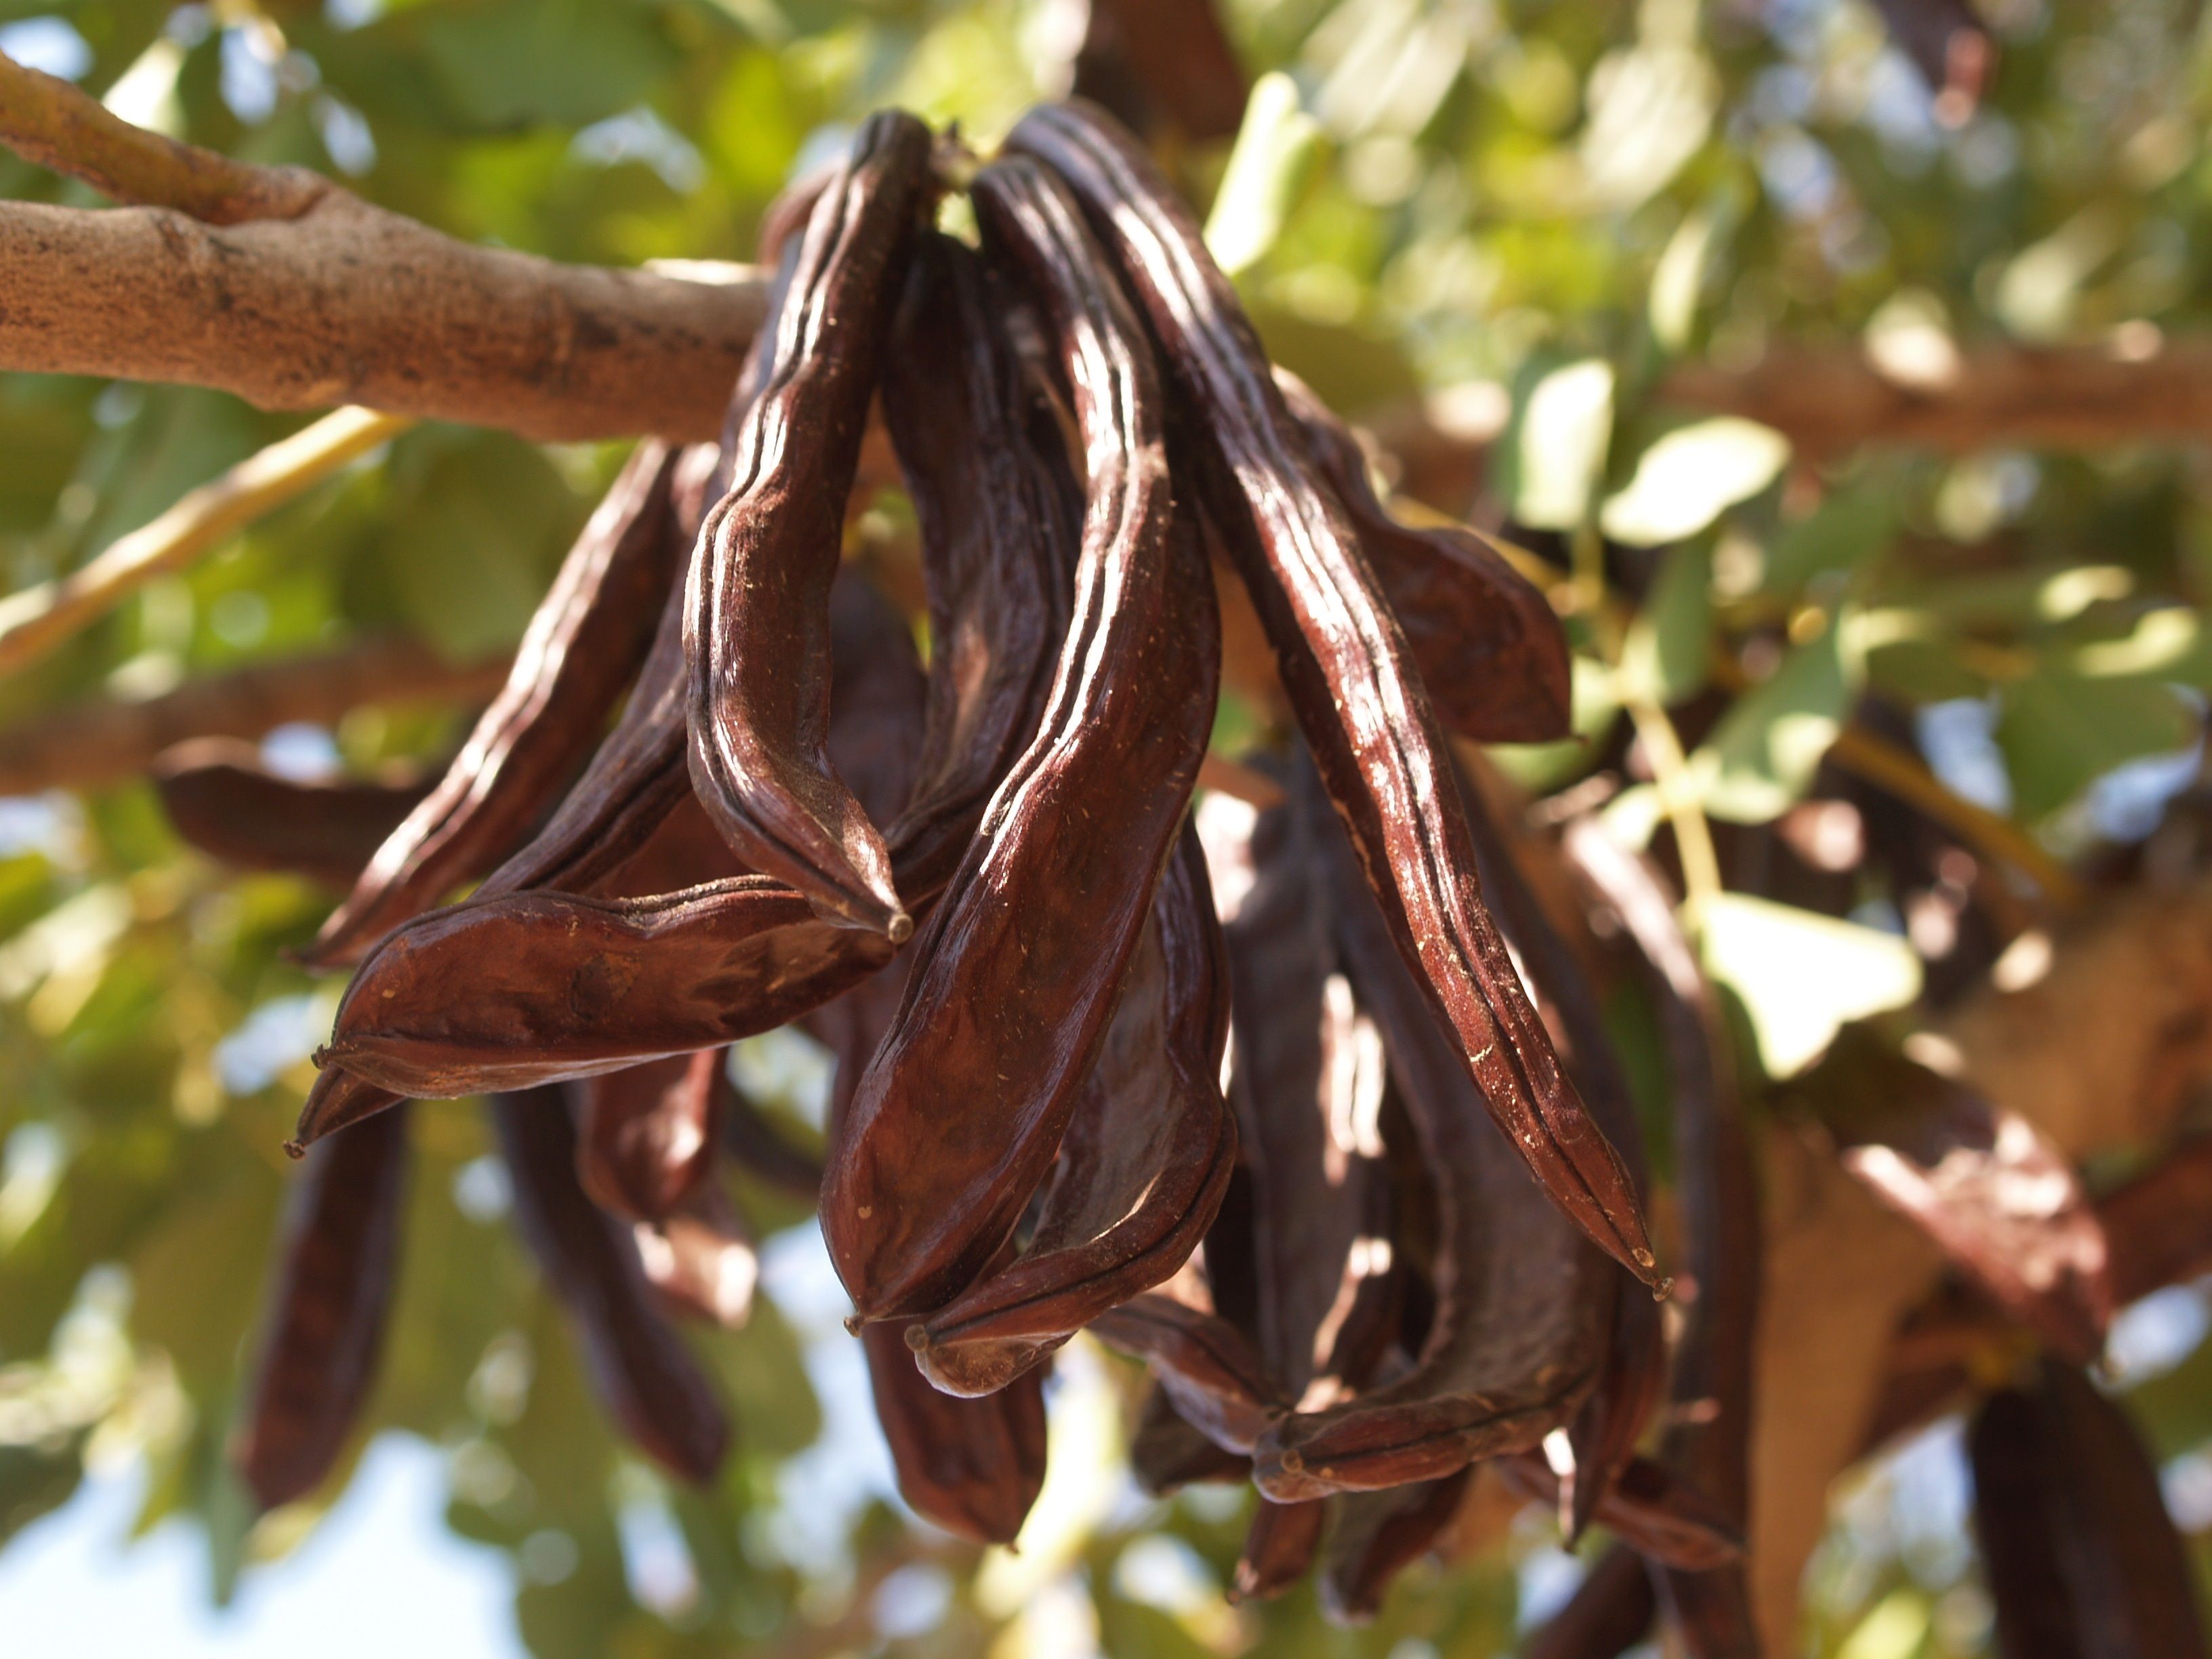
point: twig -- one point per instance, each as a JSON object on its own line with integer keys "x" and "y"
{"x": 1686, "y": 814}
{"x": 39, "y": 619}
{"x": 52, "y": 125}
{"x": 112, "y": 740}
{"x": 1886, "y": 766}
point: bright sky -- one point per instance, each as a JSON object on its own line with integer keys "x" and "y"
{"x": 381, "y": 1574}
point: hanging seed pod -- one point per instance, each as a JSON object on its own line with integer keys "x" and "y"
{"x": 221, "y": 799}
{"x": 960, "y": 1113}
{"x": 646, "y": 1136}
{"x": 1344, "y": 663}
{"x": 757, "y": 600}
{"x": 1610, "y": 1612}
{"x": 325, "y": 1324}
{"x": 586, "y": 642}
{"x": 645, "y": 1376}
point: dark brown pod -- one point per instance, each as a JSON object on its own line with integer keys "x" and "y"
{"x": 1659, "y": 1515}
{"x": 644, "y": 1374}
{"x": 1488, "y": 644}
{"x": 325, "y": 1322}
{"x": 999, "y": 520}
{"x": 512, "y": 992}
{"x": 1141, "y": 1170}
{"x": 587, "y": 639}
{"x": 221, "y": 798}
{"x": 700, "y": 1257}
{"x": 761, "y": 1148}
{"x": 973, "y": 1466}
{"x": 647, "y": 1137}
{"x": 1376, "y": 1535}
{"x": 960, "y": 1113}
{"x": 1610, "y": 1612}
{"x": 1346, "y": 665}
{"x": 757, "y": 600}
{"x": 1518, "y": 1337}
{"x": 1279, "y": 1547}
{"x": 1206, "y": 1365}
{"x": 2082, "y": 1557}
{"x": 1716, "y": 1184}
{"x": 1168, "y": 1453}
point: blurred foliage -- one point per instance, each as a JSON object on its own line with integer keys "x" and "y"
{"x": 1530, "y": 207}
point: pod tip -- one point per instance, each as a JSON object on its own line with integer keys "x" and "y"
{"x": 295, "y": 1149}
{"x": 900, "y": 928}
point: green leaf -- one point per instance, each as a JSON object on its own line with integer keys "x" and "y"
{"x": 1760, "y": 758}
{"x": 1275, "y": 151}
{"x": 1561, "y": 428}
{"x": 2060, "y": 733}
{"x": 1691, "y": 475}
{"x": 1801, "y": 975}
{"x": 1851, "y": 527}
{"x": 1664, "y": 658}
{"x": 568, "y": 62}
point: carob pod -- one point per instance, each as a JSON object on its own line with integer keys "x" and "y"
{"x": 1517, "y": 1340}
{"x": 1488, "y": 644}
{"x": 1204, "y": 1363}
{"x": 582, "y": 984}
{"x": 1376, "y": 1535}
{"x": 1346, "y": 665}
{"x": 586, "y": 642}
{"x": 1168, "y": 1452}
{"x": 1710, "y": 1442}
{"x": 1280, "y": 1546}
{"x": 644, "y": 1374}
{"x": 1610, "y": 1612}
{"x": 325, "y": 1322}
{"x": 757, "y": 598}
{"x": 1668, "y": 1521}
{"x": 1141, "y": 1170}
{"x": 760, "y": 1148}
{"x": 999, "y": 520}
{"x": 222, "y": 798}
{"x": 960, "y": 1113}
{"x": 973, "y": 1466}
{"x": 700, "y": 1257}
{"x": 2081, "y": 1555}
{"x": 1604, "y": 1435}
{"x": 647, "y": 1136}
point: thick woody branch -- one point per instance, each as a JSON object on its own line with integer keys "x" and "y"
{"x": 350, "y": 304}
{"x": 113, "y": 740}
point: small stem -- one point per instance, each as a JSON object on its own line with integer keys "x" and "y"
{"x": 1886, "y": 766}
{"x": 1678, "y": 798}
{"x": 52, "y": 125}
{"x": 39, "y": 619}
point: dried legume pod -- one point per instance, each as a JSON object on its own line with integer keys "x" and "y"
{"x": 760, "y": 1148}
{"x": 1141, "y": 1170}
{"x": 757, "y": 598}
{"x": 1168, "y": 1452}
{"x": 1278, "y": 1547}
{"x": 586, "y": 642}
{"x": 1518, "y": 1336}
{"x": 326, "y": 1320}
{"x": 1604, "y": 1433}
{"x": 2081, "y": 1554}
{"x": 1205, "y": 1365}
{"x": 1346, "y": 665}
{"x": 1716, "y": 1189}
{"x": 699, "y": 1257}
{"x": 959, "y": 1116}
{"x": 1610, "y": 1612}
{"x": 973, "y": 1466}
{"x": 220, "y": 797}
{"x": 1490, "y": 647}
{"x": 644, "y": 1374}
{"x": 646, "y": 1136}
{"x": 1662, "y": 1516}
{"x": 512, "y": 992}
{"x": 999, "y": 523}
{"x": 1376, "y": 1535}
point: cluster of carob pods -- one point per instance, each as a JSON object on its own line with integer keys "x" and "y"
{"x": 981, "y": 885}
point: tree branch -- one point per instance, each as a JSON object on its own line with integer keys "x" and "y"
{"x": 113, "y": 740}
{"x": 350, "y": 304}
